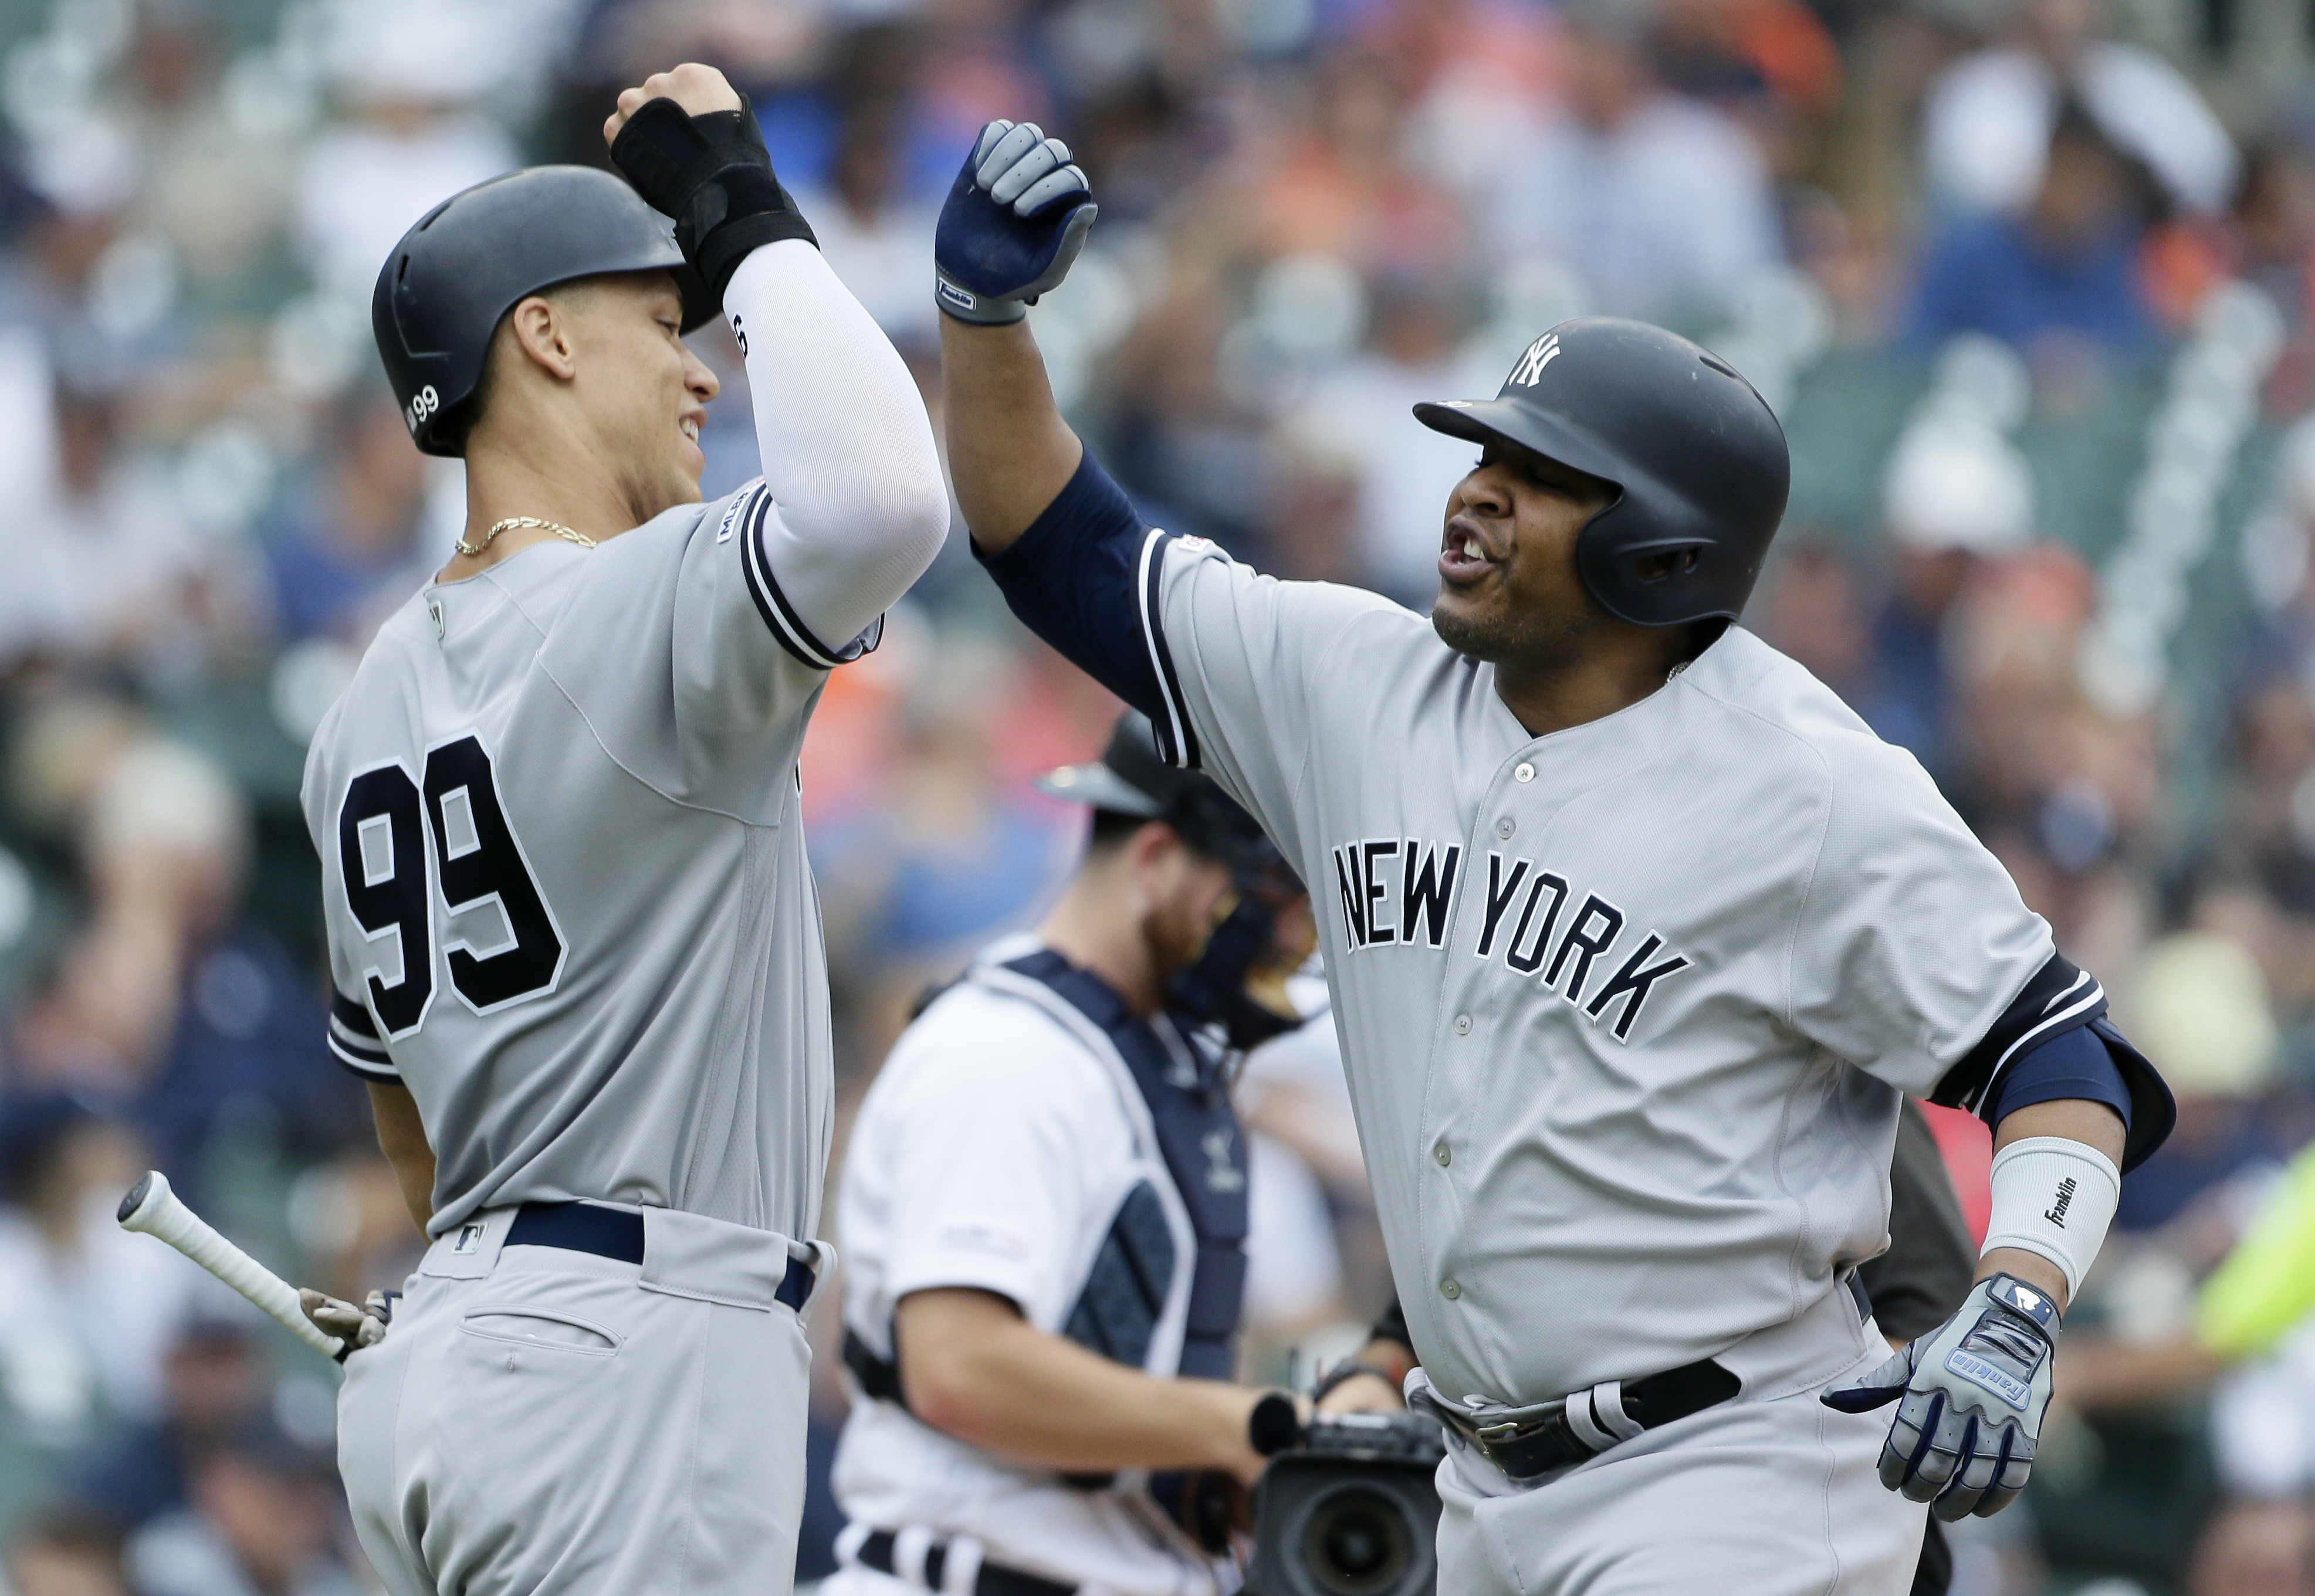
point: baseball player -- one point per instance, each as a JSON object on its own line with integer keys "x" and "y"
{"x": 1636, "y": 935}
{"x": 1043, "y": 1213}
{"x": 576, "y": 952}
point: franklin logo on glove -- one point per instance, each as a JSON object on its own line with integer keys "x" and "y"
{"x": 1948, "y": 1448}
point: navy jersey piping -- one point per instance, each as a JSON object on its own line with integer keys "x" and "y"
{"x": 772, "y": 603}
{"x": 354, "y": 1040}
{"x": 1176, "y": 741}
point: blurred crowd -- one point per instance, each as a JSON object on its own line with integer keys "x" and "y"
{"x": 2029, "y": 281}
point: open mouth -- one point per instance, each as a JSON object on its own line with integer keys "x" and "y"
{"x": 689, "y": 427}
{"x": 1464, "y": 555}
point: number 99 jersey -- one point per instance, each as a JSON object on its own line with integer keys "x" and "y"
{"x": 563, "y": 875}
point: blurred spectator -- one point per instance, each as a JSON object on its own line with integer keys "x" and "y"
{"x": 1991, "y": 119}
{"x": 2197, "y": 1004}
{"x": 1660, "y": 202}
{"x": 2274, "y": 229}
{"x": 1314, "y": 1252}
{"x": 64, "y": 1552}
{"x": 104, "y": 565}
{"x": 1812, "y": 610}
{"x": 2263, "y": 1413}
{"x": 164, "y": 1003}
{"x": 1342, "y": 185}
{"x": 2256, "y": 1547}
{"x": 1955, "y": 498}
{"x": 213, "y": 1381}
{"x": 1361, "y": 415}
{"x": 2056, "y": 277}
{"x": 2274, "y": 216}
{"x": 946, "y": 854}
{"x": 408, "y": 74}
{"x": 878, "y": 238}
{"x": 87, "y": 1310}
{"x": 214, "y": 188}
{"x": 263, "y": 1521}
{"x": 344, "y": 546}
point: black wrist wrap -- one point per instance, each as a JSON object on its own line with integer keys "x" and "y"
{"x": 714, "y": 176}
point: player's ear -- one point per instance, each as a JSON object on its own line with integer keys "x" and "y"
{"x": 1153, "y": 853}
{"x": 540, "y": 329}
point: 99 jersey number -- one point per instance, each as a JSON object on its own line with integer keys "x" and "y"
{"x": 388, "y": 825}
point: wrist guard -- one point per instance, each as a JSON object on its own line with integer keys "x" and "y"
{"x": 714, "y": 176}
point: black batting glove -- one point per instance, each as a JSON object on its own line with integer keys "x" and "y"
{"x": 714, "y": 176}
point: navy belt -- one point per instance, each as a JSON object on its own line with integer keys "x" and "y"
{"x": 615, "y": 1233}
{"x": 1529, "y": 1451}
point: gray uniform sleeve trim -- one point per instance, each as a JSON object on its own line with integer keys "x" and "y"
{"x": 1177, "y": 740}
{"x": 354, "y": 1041}
{"x": 786, "y": 626}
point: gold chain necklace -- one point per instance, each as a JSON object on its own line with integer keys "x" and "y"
{"x": 471, "y": 549}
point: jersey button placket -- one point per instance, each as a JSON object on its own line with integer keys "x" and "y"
{"x": 1462, "y": 1025}
{"x": 1444, "y": 1153}
{"x": 1449, "y": 1289}
{"x": 1523, "y": 772}
{"x": 1505, "y": 827}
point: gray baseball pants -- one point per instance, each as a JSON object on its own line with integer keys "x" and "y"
{"x": 540, "y": 1420}
{"x": 1773, "y": 1496}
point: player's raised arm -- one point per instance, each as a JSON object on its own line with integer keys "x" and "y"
{"x": 1221, "y": 659}
{"x": 1014, "y": 221}
{"x": 848, "y": 450}
{"x": 1057, "y": 533}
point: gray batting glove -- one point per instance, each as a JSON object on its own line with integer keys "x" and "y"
{"x": 1974, "y": 1392}
{"x": 357, "y": 1328}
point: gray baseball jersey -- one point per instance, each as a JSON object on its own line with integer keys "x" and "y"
{"x": 1627, "y": 1009}
{"x": 563, "y": 875}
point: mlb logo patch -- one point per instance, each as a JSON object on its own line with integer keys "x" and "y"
{"x": 470, "y": 1240}
{"x": 732, "y": 511}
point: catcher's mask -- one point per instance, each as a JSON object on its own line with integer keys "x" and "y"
{"x": 1262, "y": 931}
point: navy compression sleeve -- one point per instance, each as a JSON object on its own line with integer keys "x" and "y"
{"x": 2054, "y": 1041}
{"x": 1071, "y": 578}
{"x": 2074, "y": 1065}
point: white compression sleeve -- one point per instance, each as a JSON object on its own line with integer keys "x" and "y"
{"x": 2054, "y": 1196}
{"x": 848, "y": 450}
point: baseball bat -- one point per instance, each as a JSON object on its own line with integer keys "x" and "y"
{"x": 156, "y": 1211}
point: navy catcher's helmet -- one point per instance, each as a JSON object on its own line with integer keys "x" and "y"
{"x": 1696, "y": 456}
{"x": 480, "y": 252}
{"x": 1132, "y": 778}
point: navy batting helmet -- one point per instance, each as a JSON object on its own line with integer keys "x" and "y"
{"x": 1696, "y": 457}
{"x": 476, "y": 255}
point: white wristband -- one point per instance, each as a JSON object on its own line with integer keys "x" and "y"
{"x": 2054, "y": 1196}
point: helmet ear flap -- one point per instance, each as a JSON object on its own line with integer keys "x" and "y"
{"x": 1652, "y": 584}
{"x": 1656, "y": 563}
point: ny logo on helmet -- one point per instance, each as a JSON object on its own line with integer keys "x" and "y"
{"x": 1540, "y": 354}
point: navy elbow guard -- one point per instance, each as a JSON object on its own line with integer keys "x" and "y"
{"x": 714, "y": 176}
{"x": 2054, "y": 1041}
